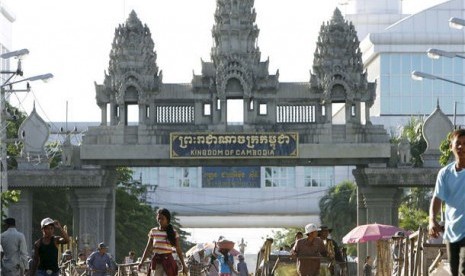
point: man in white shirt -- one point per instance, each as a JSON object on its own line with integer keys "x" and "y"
{"x": 15, "y": 258}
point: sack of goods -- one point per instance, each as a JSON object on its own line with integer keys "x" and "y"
{"x": 226, "y": 244}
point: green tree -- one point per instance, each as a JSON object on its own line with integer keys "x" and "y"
{"x": 54, "y": 150}
{"x": 9, "y": 197}
{"x": 411, "y": 219}
{"x": 338, "y": 209}
{"x": 54, "y": 203}
{"x": 446, "y": 153}
{"x": 133, "y": 222}
{"x": 412, "y": 131}
{"x": 13, "y": 150}
{"x": 13, "y": 123}
{"x": 135, "y": 219}
{"x": 413, "y": 210}
{"x": 285, "y": 238}
{"x": 418, "y": 198}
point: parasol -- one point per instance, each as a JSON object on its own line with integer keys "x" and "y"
{"x": 370, "y": 232}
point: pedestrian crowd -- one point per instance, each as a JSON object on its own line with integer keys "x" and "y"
{"x": 309, "y": 248}
{"x": 163, "y": 251}
{"x": 45, "y": 260}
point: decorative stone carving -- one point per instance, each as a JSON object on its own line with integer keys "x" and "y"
{"x": 33, "y": 132}
{"x": 235, "y": 72}
{"x": 435, "y": 130}
{"x": 132, "y": 72}
{"x": 70, "y": 157}
{"x": 337, "y": 66}
{"x": 403, "y": 152}
{"x": 235, "y": 57}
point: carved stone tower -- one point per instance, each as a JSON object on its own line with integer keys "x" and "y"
{"x": 236, "y": 70}
{"x": 338, "y": 71}
{"x": 132, "y": 73}
{"x": 235, "y": 54}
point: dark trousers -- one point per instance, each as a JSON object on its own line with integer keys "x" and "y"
{"x": 456, "y": 255}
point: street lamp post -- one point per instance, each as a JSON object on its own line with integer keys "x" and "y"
{"x": 417, "y": 75}
{"x": 3, "y": 112}
{"x": 456, "y": 23}
{"x": 436, "y": 54}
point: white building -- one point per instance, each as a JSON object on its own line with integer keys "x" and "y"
{"x": 390, "y": 55}
{"x": 264, "y": 188}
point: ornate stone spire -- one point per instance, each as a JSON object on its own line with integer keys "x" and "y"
{"x": 132, "y": 71}
{"x": 337, "y": 65}
{"x": 235, "y": 32}
{"x": 235, "y": 54}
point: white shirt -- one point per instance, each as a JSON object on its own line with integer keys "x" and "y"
{"x": 14, "y": 248}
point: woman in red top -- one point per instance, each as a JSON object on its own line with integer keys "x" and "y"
{"x": 161, "y": 241}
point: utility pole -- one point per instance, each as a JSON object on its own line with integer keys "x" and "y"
{"x": 3, "y": 152}
{"x": 8, "y": 83}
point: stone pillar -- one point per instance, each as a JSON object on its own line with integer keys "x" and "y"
{"x": 382, "y": 206}
{"x": 22, "y": 212}
{"x": 142, "y": 114}
{"x": 348, "y": 112}
{"x": 362, "y": 248}
{"x": 223, "y": 106}
{"x": 328, "y": 113}
{"x": 152, "y": 113}
{"x": 376, "y": 204}
{"x": 113, "y": 118}
{"x": 93, "y": 215}
{"x": 103, "y": 114}
{"x": 123, "y": 116}
{"x": 367, "y": 114}
{"x": 216, "y": 109}
{"x": 245, "y": 108}
{"x": 319, "y": 114}
{"x": 358, "y": 112}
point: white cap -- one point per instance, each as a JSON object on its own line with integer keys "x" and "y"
{"x": 46, "y": 221}
{"x": 311, "y": 227}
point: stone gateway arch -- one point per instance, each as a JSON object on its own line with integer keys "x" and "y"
{"x": 322, "y": 122}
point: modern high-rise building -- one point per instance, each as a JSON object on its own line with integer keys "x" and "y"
{"x": 395, "y": 44}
